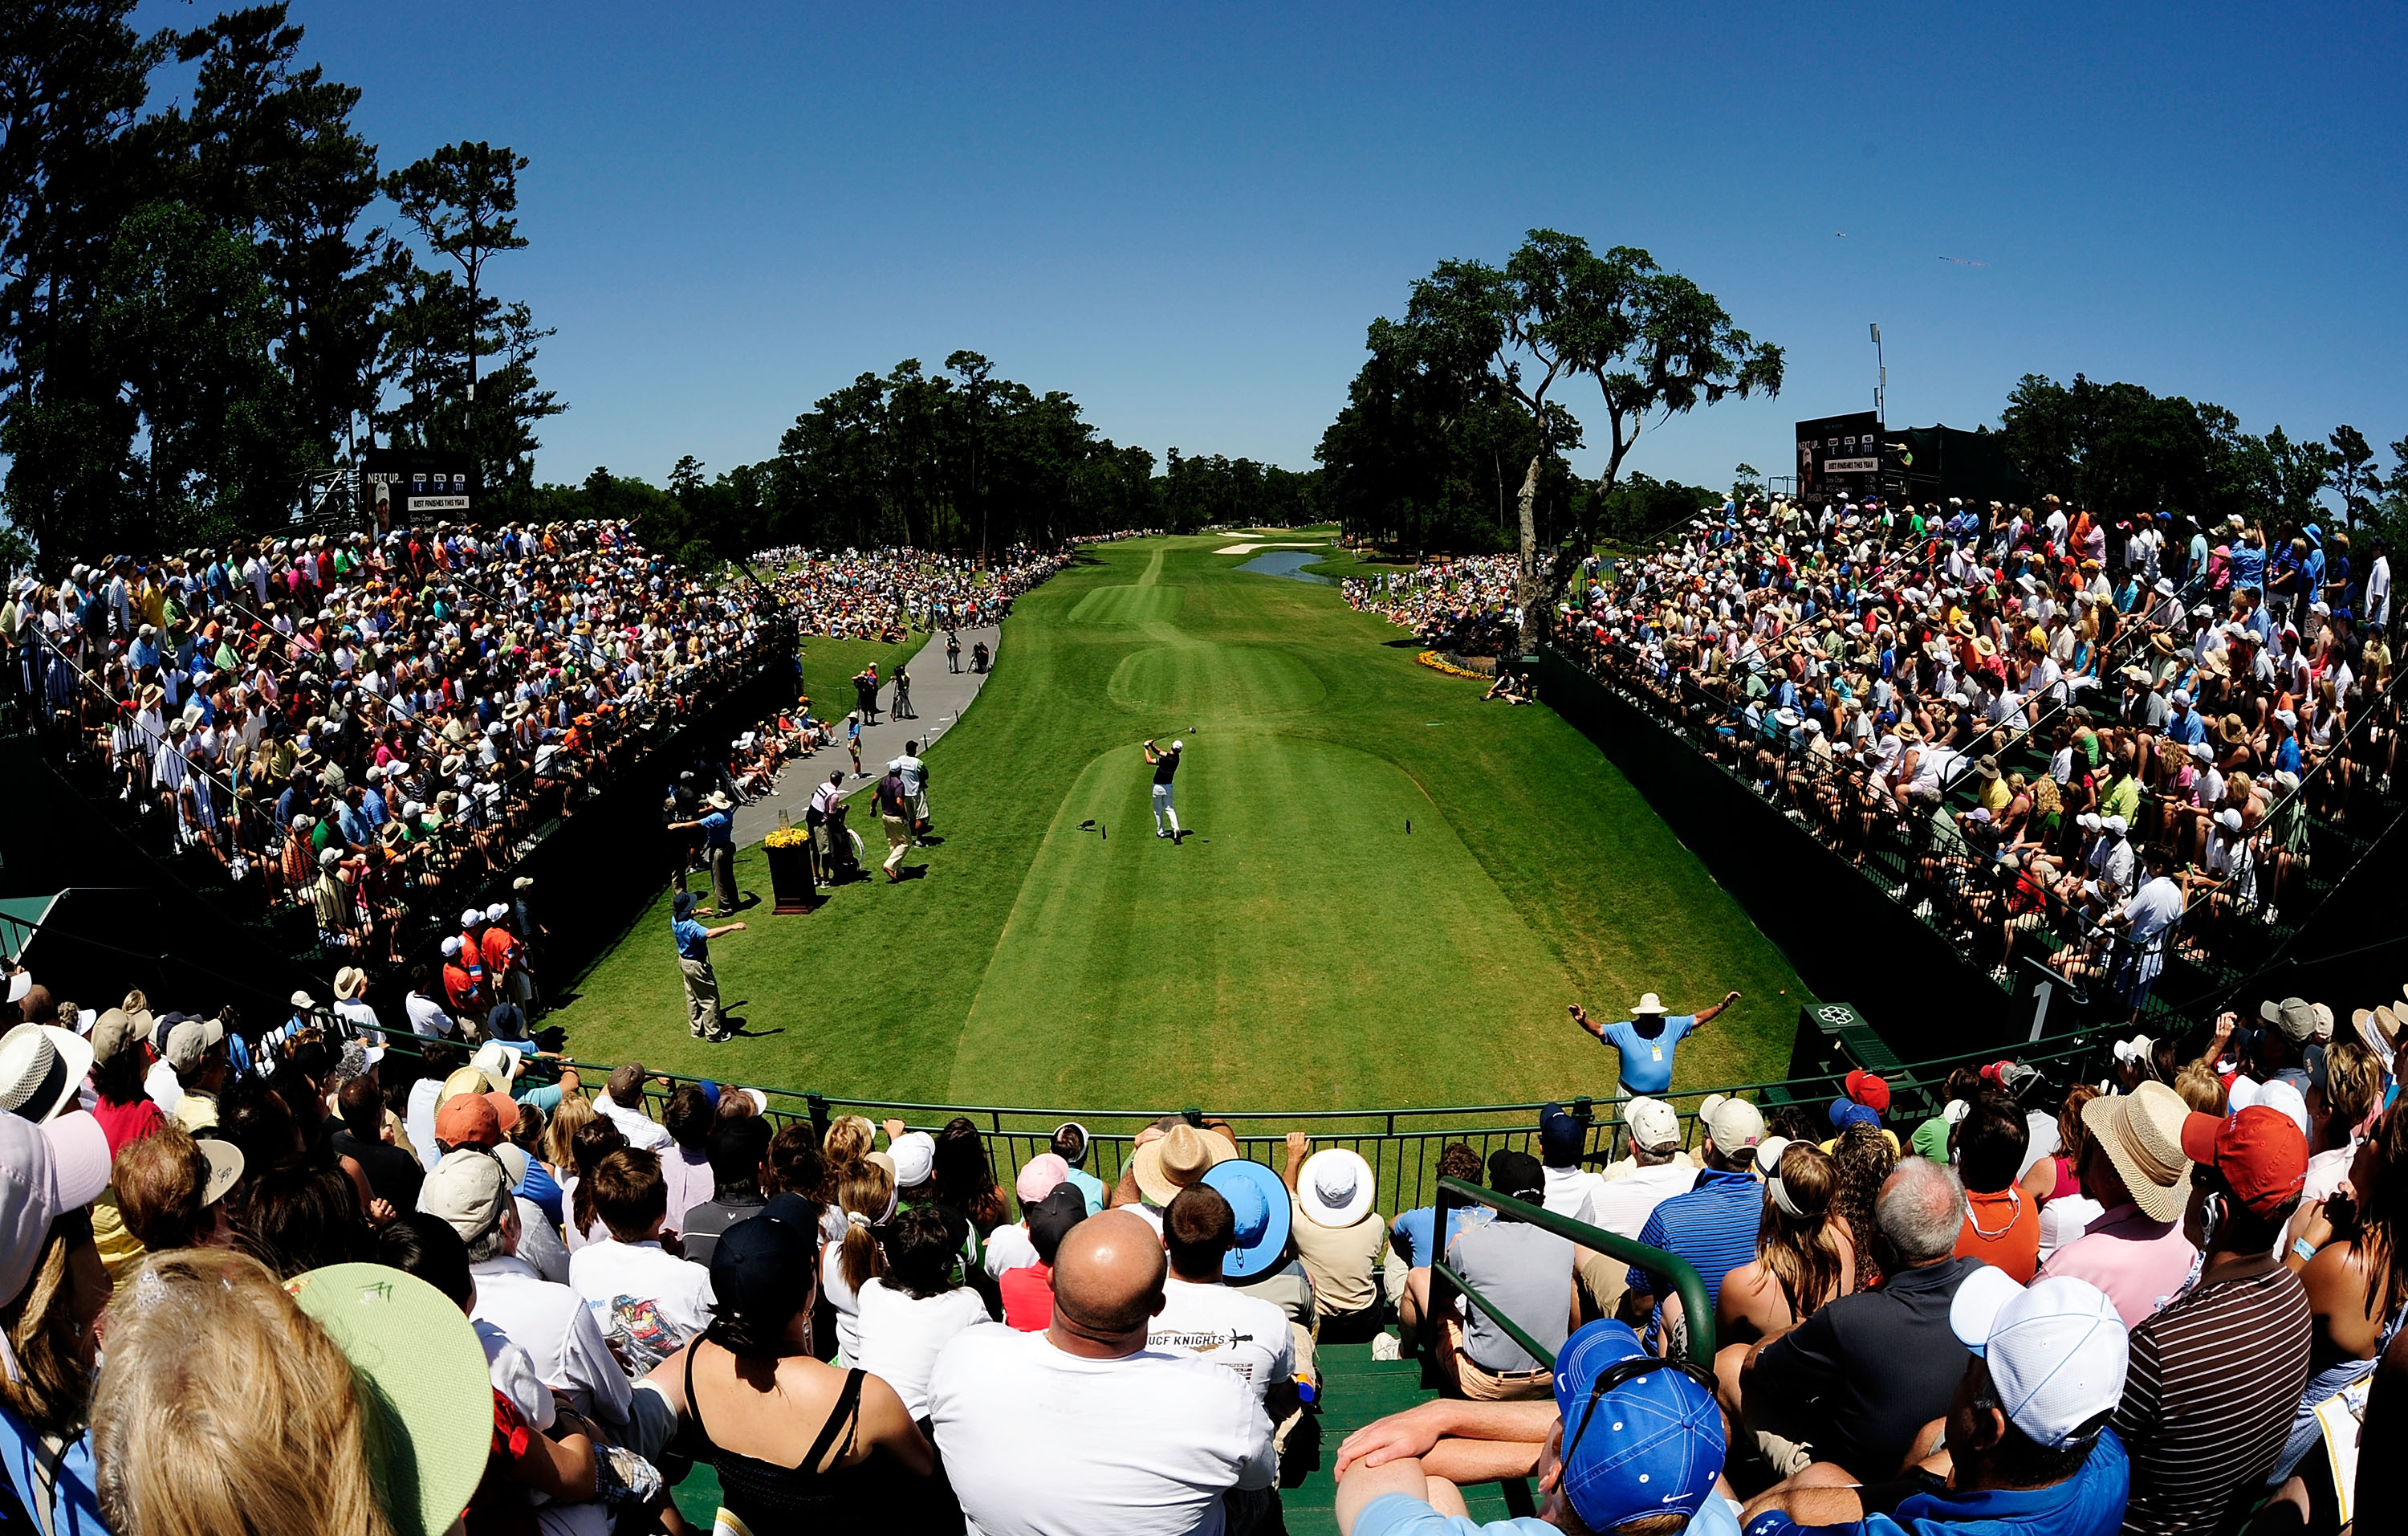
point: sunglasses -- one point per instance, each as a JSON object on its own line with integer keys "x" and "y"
{"x": 1621, "y": 1373}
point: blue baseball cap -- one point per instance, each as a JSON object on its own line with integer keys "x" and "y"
{"x": 1260, "y": 1204}
{"x": 1652, "y": 1445}
{"x": 1847, "y": 1111}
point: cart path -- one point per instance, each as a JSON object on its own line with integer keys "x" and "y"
{"x": 940, "y": 697}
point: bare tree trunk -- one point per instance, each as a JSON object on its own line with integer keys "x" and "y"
{"x": 1533, "y": 588}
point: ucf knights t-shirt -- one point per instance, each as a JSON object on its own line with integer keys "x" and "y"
{"x": 1166, "y": 764}
{"x": 1246, "y": 1334}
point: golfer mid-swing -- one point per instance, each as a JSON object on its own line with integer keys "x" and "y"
{"x": 1165, "y": 764}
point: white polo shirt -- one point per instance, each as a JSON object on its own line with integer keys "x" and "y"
{"x": 558, "y": 1332}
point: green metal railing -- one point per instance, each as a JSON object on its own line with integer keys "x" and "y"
{"x": 1672, "y": 1275}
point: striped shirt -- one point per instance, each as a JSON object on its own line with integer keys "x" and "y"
{"x": 1714, "y": 1226}
{"x": 2215, "y": 1379}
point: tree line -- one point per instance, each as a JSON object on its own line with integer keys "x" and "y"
{"x": 2123, "y": 451}
{"x": 205, "y": 305}
{"x": 958, "y": 458}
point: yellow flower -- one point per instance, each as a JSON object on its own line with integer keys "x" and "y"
{"x": 786, "y": 837}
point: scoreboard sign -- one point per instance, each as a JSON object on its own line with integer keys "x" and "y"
{"x": 404, "y": 486}
{"x": 1839, "y": 458}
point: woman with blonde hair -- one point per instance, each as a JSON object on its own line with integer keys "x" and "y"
{"x": 573, "y": 1111}
{"x": 178, "y": 1455}
{"x": 849, "y": 1139}
{"x": 865, "y": 1192}
{"x": 1805, "y": 1257}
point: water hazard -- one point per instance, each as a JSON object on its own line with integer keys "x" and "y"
{"x": 1290, "y": 564}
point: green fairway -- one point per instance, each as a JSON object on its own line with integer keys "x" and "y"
{"x": 1391, "y": 890}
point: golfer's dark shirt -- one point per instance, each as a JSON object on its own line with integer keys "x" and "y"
{"x": 1859, "y": 1378}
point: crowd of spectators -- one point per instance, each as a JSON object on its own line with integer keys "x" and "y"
{"x": 884, "y": 595}
{"x": 457, "y": 1280}
{"x": 368, "y": 725}
{"x": 2085, "y": 744}
{"x": 1470, "y": 605}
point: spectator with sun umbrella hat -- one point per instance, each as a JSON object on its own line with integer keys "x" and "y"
{"x": 1338, "y": 1234}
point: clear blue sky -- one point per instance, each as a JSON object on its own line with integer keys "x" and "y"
{"x": 1186, "y": 218}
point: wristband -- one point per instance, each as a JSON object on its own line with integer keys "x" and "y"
{"x": 2302, "y": 1247}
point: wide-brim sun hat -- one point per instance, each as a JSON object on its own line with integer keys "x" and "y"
{"x": 1335, "y": 1187}
{"x": 1174, "y": 1160}
{"x": 2141, "y": 1134}
{"x": 1263, "y": 1211}
{"x": 41, "y": 1067}
{"x": 1648, "y": 1004}
{"x": 421, "y": 1371}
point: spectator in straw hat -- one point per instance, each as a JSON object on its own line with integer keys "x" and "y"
{"x": 1337, "y": 1232}
{"x": 2134, "y": 1166}
{"x": 1178, "y": 1158}
{"x": 1645, "y": 1041}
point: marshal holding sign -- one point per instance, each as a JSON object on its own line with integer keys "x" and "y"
{"x": 1838, "y": 457}
{"x": 405, "y": 486}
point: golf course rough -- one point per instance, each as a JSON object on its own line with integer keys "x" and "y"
{"x": 1301, "y": 949}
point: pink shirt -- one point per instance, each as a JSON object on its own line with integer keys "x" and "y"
{"x": 688, "y": 1176}
{"x": 2138, "y": 1262}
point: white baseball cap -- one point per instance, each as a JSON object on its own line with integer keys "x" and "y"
{"x": 1735, "y": 1123}
{"x": 915, "y": 1159}
{"x": 1178, "y": 746}
{"x": 1655, "y": 1125}
{"x": 2057, "y": 1352}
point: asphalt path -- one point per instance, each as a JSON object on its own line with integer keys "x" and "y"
{"x": 938, "y": 694}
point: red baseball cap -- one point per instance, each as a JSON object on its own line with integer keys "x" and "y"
{"x": 1869, "y": 1090}
{"x": 2259, "y": 1152}
{"x": 467, "y": 1120}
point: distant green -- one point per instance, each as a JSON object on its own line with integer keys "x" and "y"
{"x": 1391, "y": 892}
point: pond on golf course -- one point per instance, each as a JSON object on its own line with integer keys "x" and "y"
{"x": 1289, "y": 563}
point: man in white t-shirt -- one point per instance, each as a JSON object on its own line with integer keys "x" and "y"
{"x": 1203, "y": 1317}
{"x": 646, "y": 1302}
{"x": 1083, "y": 1427}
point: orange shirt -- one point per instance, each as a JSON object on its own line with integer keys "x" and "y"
{"x": 2002, "y": 1229}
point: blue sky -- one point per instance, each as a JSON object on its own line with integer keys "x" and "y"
{"x": 1185, "y": 218}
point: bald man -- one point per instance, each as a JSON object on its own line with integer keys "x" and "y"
{"x": 1081, "y": 1428}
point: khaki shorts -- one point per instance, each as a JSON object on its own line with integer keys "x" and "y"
{"x": 1480, "y": 1386}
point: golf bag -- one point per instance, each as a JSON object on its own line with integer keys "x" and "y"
{"x": 843, "y": 848}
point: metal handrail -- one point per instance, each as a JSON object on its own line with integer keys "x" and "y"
{"x": 1698, "y": 1313}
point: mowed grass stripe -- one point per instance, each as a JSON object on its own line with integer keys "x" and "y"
{"x": 1309, "y": 954}
{"x": 1246, "y": 957}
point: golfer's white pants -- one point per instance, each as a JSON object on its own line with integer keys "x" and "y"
{"x": 1162, "y": 806}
